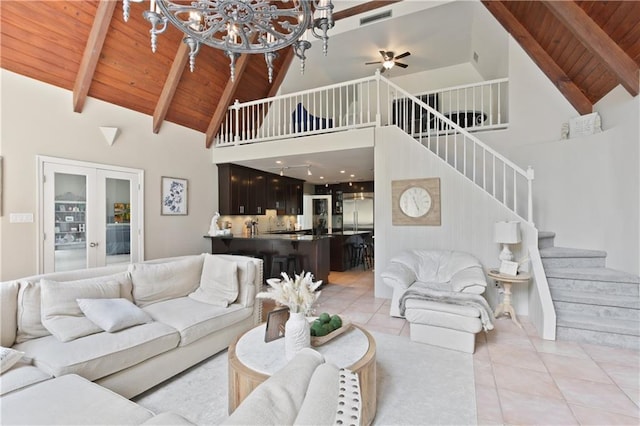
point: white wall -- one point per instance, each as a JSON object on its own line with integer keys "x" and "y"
{"x": 467, "y": 214}
{"x": 38, "y": 118}
{"x": 585, "y": 189}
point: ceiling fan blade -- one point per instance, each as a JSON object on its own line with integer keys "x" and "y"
{"x": 370, "y": 63}
{"x": 403, "y": 55}
{"x": 401, "y": 65}
{"x": 382, "y": 53}
{"x": 382, "y": 70}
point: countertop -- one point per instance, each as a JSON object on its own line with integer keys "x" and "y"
{"x": 285, "y": 237}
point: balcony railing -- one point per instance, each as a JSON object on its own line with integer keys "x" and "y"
{"x": 442, "y": 121}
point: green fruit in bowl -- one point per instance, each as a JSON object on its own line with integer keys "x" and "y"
{"x": 327, "y": 328}
{"x": 336, "y": 322}
{"x": 318, "y": 330}
{"x": 324, "y": 317}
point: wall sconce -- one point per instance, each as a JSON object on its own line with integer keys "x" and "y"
{"x": 506, "y": 233}
{"x": 110, "y": 134}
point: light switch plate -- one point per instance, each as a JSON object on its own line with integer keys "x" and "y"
{"x": 21, "y": 218}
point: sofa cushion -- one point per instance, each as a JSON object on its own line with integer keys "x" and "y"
{"x": 155, "y": 282}
{"x": 194, "y": 319}
{"x": 278, "y": 400}
{"x": 248, "y": 273}
{"x": 70, "y": 400}
{"x": 29, "y": 300}
{"x": 113, "y": 314}
{"x": 29, "y": 318}
{"x": 21, "y": 375}
{"x": 218, "y": 283}
{"x": 8, "y": 357}
{"x": 321, "y": 399}
{"x": 440, "y": 318}
{"x": 9, "y": 309}
{"x": 61, "y": 314}
{"x": 101, "y": 354}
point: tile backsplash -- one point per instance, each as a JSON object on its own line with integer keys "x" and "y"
{"x": 267, "y": 222}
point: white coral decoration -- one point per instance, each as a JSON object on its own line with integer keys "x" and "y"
{"x": 298, "y": 294}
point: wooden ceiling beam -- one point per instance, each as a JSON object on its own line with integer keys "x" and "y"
{"x": 598, "y": 42}
{"x": 551, "y": 69}
{"x": 91, "y": 54}
{"x": 225, "y": 99}
{"x": 170, "y": 86}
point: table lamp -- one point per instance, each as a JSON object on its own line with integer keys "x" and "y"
{"x": 506, "y": 233}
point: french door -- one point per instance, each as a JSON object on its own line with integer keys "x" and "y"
{"x": 91, "y": 215}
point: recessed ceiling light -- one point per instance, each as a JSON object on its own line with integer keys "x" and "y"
{"x": 352, "y": 175}
{"x": 278, "y": 162}
{"x": 341, "y": 171}
{"x": 321, "y": 177}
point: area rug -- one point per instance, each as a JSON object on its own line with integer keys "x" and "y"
{"x": 417, "y": 385}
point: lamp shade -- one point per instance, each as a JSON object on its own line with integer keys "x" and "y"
{"x": 507, "y": 232}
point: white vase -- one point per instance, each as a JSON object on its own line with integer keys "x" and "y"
{"x": 297, "y": 334}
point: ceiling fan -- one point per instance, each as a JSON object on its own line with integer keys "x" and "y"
{"x": 388, "y": 60}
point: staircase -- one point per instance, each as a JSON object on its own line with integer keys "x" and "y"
{"x": 593, "y": 304}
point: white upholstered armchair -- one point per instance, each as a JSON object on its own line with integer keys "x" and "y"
{"x": 439, "y": 293}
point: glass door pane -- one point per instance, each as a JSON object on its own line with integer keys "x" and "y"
{"x": 118, "y": 221}
{"x": 70, "y": 221}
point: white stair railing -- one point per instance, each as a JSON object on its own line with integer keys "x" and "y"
{"x": 375, "y": 101}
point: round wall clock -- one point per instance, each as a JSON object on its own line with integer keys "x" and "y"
{"x": 416, "y": 202}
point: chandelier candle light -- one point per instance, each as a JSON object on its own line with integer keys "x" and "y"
{"x": 241, "y": 26}
{"x": 299, "y": 294}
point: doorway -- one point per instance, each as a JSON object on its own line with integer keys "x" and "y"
{"x": 90, "y": 215}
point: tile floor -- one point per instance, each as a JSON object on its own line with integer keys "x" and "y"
{"x": 520, "y": 378}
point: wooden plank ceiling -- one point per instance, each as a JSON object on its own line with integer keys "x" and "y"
{"x": 585, "y": 47}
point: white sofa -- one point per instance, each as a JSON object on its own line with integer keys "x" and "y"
{"x": 306, "y": 391}
{"x": 439, "y": 293}
{"x": 182, "y": 331}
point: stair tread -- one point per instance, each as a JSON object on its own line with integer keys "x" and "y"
{"x": 596, "y": 323}
{"x": 570, "y": 252}
{"x": 598, "y": 299}
{"x": 546, "y": 234}
{"x": 593, "y": 274}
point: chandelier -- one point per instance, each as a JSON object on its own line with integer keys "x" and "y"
{"x": 241, "y": 26}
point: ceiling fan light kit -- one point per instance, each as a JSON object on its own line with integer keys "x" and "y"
{"x": 389, "y": 60}
{"x": 241, "y": 26}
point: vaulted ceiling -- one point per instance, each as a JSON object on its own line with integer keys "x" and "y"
{"x": 586, "y": 48}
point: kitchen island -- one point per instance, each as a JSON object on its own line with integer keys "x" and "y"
{"x": 311, "y": 251}
{"x": 342, "y": 248}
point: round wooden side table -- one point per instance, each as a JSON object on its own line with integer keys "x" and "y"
{"x": 252, "y": 361}
{"x": 507, "y": 280}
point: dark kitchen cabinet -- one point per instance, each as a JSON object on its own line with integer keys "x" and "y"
{"x": 276, "y": 193}
{"x": 293, "y": 203}
{"x": 241, "y": 190}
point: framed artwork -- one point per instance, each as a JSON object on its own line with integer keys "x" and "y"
{"x": 174, "y": 196}
{"x": 275, "y": 324}
{"x": 415, "y": 202}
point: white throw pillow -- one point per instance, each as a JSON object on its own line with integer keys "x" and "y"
{"x": 155, "y": 282}
{"x": 61, "y": 314}
{"x": 8, "y": 357}
{"x": 113, "y": 314}
{"x": 218, "y": 283}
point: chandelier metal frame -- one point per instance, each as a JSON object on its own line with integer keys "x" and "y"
{"x": 241, "y": 26}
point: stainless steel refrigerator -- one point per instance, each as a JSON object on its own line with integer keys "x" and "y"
{"x": 357, "y": 211}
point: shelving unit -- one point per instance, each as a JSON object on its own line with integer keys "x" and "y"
{"x": 70, "y": 224}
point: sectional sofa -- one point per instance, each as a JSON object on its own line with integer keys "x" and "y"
{"x": 184, "y": 310}
{"x": 77, "y": 345}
